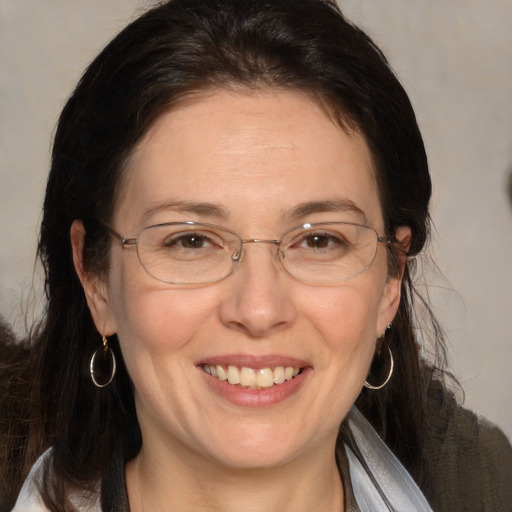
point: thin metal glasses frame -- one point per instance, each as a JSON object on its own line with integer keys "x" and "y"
{"x": 237, "y": 256}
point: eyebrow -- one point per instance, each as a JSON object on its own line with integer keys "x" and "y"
{"x": 198, "y": 208}
{"x": 215, "y": 210}
{"x": 329, "y": 205}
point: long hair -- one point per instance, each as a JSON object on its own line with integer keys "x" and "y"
{"x": 15, "y": 374}
{"x": 176, "y": 50}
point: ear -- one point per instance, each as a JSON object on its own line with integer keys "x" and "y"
{"x": 95, "y": 287}
{"x": 391, "y": 296}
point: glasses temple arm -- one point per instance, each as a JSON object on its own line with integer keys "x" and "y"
{"x": 117, "y": 236}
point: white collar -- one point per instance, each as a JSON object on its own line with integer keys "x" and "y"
{"x": 379, "y": 481}
{"x": 30, "y": 500}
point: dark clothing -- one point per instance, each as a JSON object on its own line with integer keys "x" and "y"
{"x": 470, "y": 461}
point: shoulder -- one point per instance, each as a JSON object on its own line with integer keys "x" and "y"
{"x": 470, "y": 459}
{"x": 30, "y": 499}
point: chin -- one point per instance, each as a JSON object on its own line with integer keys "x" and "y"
{"x": 259, "y": 447}
{"x": 254, "y": 460}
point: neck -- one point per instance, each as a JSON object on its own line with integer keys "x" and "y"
{"x": 193, "y": 483}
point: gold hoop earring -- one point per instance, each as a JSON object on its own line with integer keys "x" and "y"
{"x": 391, "y": 367}
{"x": 102, "y": 366}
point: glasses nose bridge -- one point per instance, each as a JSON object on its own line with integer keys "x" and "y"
{"x": 238, "y": 255}
{"x": 260, "y": 241}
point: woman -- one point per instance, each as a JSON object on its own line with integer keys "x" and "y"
{"x": 237, "y": 190}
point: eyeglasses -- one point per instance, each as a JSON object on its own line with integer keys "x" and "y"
{"x": 197, "y": 253}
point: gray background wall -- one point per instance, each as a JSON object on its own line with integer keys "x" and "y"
{"x": 455, "y": 60}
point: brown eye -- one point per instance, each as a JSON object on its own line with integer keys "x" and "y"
{"x": 186, "y": 241}
{"x": 192, "y": 241}
{"x": 317, "y": 241}
{"x": 321, "y": 242}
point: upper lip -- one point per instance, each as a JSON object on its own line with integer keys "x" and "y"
{"x": 256, "y": 362}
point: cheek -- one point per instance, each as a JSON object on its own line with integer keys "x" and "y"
{"x": 154, "y": 319}
{"x": 158, "y": 336}
{"x": 346, "y": 316}
{"x": 346, "y": 320}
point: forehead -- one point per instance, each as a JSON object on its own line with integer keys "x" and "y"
{"x": 259, "y": 153}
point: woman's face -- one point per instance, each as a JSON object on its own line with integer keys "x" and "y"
{"x": 259, "y": 164}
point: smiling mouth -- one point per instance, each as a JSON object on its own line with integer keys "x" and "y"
{"x": 260, "y": 378}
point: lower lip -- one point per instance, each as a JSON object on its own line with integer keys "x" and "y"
{"x": 265, "y": 397}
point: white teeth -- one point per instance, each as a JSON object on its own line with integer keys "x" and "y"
{"x": 279, "y": 377}
{"x": 233, "y": 375}
{"x": 265, "y": 378}
{"x": 221, "y": 373}
{"x": 251, "y": 378}
{"x": 247, "y": 377}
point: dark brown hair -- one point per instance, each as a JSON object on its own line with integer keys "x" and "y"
{"x": 15, "y": 370}
{"x": 176, "y": 49}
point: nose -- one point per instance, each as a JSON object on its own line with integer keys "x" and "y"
{"x": 259, "y": 298}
